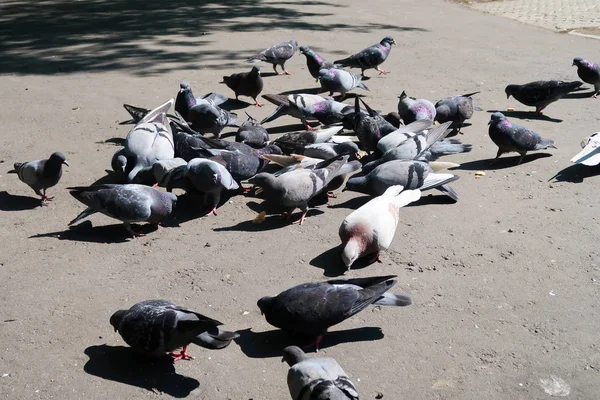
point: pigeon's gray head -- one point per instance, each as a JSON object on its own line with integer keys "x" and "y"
{"x": 293, "y": 355}
{"x": 263, "y": 179}
{"x": 58, "y": 158}
{"x": 184, "y": 85}
{"x": 272, "y": 149}
{"x": 265, "y": 304}
{"x": 496, "y": 117}
{"x": 510, "y": 90}
{"x": 116, "y": 318}
{"x": 403, "y": 95}
{"x": 347, "y": 148}
{"x": 294, "y": 43}
{"x": 394, "y": 119}
{"x": 304, "y": 49}
{"x": 256, "y": 69}
{"x": 577, "y": 61}
{"x": 388, "y": 40}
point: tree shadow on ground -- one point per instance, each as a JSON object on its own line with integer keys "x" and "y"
{"x": 146, "y": 36}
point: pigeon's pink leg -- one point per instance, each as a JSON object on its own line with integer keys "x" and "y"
{"x": 301, "y": 220}
{"x": 247, "y": 190}
{"x": 310, "y": 128}
{"x": 133, "y": 233}
{"x": 46, "y": 198}
{"x": 315, "y": 343}
{"x": 214, "y": 210}
{"x": 287, "y": 214}
{"x": 155, "y": 185}
{"x": 257, "y": 103}
{"x": 183, "y": 355}
{"x": 382, "y": 71}
{"x": 331, "y": 195}
{"x": 595, "y": 96}
{"x": 376, "y": 258}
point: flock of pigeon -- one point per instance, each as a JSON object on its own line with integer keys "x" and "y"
{"x": 396, "y": 155}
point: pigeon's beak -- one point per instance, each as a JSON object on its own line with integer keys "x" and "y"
{"x": 66, "y": 163}
{"x": 394, "y": 42}
{"x": 258, "y": 190}
{"x": 507, "y": 95}
{"x": 282, "y": 359}
{"x": 572, "y": 64}
{"x": 490, "y": 122}
{"x": 116, "y": 329}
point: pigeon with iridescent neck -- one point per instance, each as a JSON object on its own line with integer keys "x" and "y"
{"x": 338, "y": 80}
{"x": 41, "y": 175}
{"x": 371, "y": 57}
{"x": 277, "y": 55}
{"x": 589, "y": 72}
{"x": 315, "y": 62}
{"x": 412, "y": 109}
{"x": 540, "y": 94}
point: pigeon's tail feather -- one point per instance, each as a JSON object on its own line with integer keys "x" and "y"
{"x": 215, "y": 339}
{"x": 281, "y": 110}
{"x": 441, "y": 165}
{"x": 137, "y": 113}
{"x": 448, "y": 191}
{"x": 393, "y": 191}
{"x": 545, "y": 144}
{"x": 216, "y": 98}
{"x": 470, "y": 94}
{"x": 363, "y": 86}
{"x": 84, "y": 214}
{"x": 407, "y": 197}
{"x": 450, "y": 146}
{"x": 435, "y": 180}
{"x": 390, "y": 299}
{"x": 282, "y": 160}
{"x": 350, "y": 167}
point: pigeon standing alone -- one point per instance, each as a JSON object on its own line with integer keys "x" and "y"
{"x": 512, "y": 137}
{"x": 156, "y": 327}
{"x": 277, "y": 55}
{"x": 457, "y": 109}
{"x": 371, "y": 57}
{"x": 315, "y": 62}
{"x": 540, "y": 94}
{"x": 589, "y": 72}
{"x": 316, "y": 378}
{"x": 312, "y": 308}
{"x": 412, "y": 109}
{"x": 338, "y": 80}
{"x": 246, "y": 84}
{"x": 41, "y": 175}
{"x": 371, "y": 228}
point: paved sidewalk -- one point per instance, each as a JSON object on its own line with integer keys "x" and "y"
{"x": 551, "y": 14}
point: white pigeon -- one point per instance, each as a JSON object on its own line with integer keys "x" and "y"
{"x": 590, "y": 155}
{"x": 397, "y": 137}
{"x": 150, "y": 140}
{"x": 371, "y": 228}
{"x": 316, "y": 378}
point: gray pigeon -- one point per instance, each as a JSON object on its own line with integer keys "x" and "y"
{"x": 312, "y": 308}
{"x": 316, "y": 378}
{"x": 246, "y": 84}
{"x": 209, "y": 177}
{"x": 457, "y": 109}
{"x": 252, "y": 133}
{"x": 185, "y": 100}
{"x": 295, "y": 142}
{"x": 338, "y": 80}
{"x": 412, "y": 148}
{"x": 589, "y": 72}
{"x": 315, "y": 62}
{"x": 512, "y": 137}
{"x": 409, "y": 174}
{"x": 412, "y": 109}
{"x": 401, "y": 134}
{"x": 296, "y": 188}
{"x": 276, "y": 55}
{"x": 540, "y": 94}
{"x": 329, "y": 112}
{"x": 41, "y": 174}
{"x": 156, "y": 327}
{"x": 160, "y": 173}
{"x": 205, "y": 116}
{"x": 371, "y": 127}
{"x": 128, "y": 203}
{"x": 291, "y": 105}
{"x": 371, "y": 57}
{"x": 326, "y": 151}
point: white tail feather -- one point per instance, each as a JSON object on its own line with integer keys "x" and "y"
{"x": 441, "y": 165}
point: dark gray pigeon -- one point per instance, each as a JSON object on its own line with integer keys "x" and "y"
{"x": 204, "y": 116}
{"x": 277, "y": 55}
{"x": 183, "y": 101}
{"x": 371, "y": 127}
{"x": 129, "y": 203}
{"x": 589, "y": 72}
{"x": 296, "y": 188}
{"x": 156, "y": 327}
{"x": 394, "y": 119}
{"x": 403, "y": 133}
{"x": 326, "y": 151}
{"x": 312, "y": 308}
{"x": 291, "y": 105}
{"x": 329, "y": 112}
{"x": 252, "y": 133}
{"x": 338, "y": 80}
{"x": 371, "y": 57}
{"x": 457, "y": 109}
{"x": 41, "y": 175}
{"x": 512, "y": 137}
{"x": 540, "y": 94}
{"x": 315, "y": 62}
{"x": 295, "y": 142}
{"x": 412, "y": 109}
{"x": 246, "y": 84}
{"x": 316, "y": 378}
{"x": 410, "y": 174}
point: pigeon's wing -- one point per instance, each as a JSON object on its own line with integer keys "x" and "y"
{"x": 148, "y": 325}
{"x": 523, "y": 138}
{"x": 281, "y": 51}
{"x": 137, "y": 113}
{"x": 124, "y": 202}
{"x": 320, "y": 378}
{"x": 31, "y": 173}
{"x": 368, "y": 58}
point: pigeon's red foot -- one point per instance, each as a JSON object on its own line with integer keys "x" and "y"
{"x": 183, "y": 355}
{"x": 376, "y": 258}
{"x": 310, "y": 128}
{"x": 301, "y": 220}
{"x": 46, "y": 198}
{"x": 595, "y": 96}
{"x": 383, "y": 72}
{"x": 331, "y": 195}
{"x": 247, "y": 190}
{"x": 314, "y": 343}
{"x": 213, "y": 211}
{"x": 258, "y": 104}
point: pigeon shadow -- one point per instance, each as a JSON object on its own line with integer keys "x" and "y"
{"x": 501, "y": 163}
{"x": 332, "y": 265}
{"x": 233, "y": 104}
{"x": 85, "y": 232}
{"x": 110, "y": 178}
{"x": 13, "y": 202}
{"x": 271, "y": 343}
{"x": 435, "y": 197}
{"x": 285, "y": 128}
{"x": 579, "y": 95}
{"x": 315, "y": 90}
{"x": 269, "y": 223}
{"x": 191, "y": 206}
{"x": 117, "y": 141}
{"x": 354, "y": 202}
{"x": 576, "y": 173}
{"x": 124, "y": 365}
{"x": 527, "y": 115}
{"x": 268, "y": 74}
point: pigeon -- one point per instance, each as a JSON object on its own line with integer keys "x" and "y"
{"x": 277, "y": 55}
{"x": 412, "y": 109}
{"x": 295, "y": 142}
{"x": 204, "y": 116}
{"x": 540, "y": 94}
{"x": 369, "y": 128}
{"x": 291, "y": 105}
{"x": 371, "y": 57}
{"x": 160, "y": 173}
{"x": 394, "y": 119}
{"x": 409, "y": 174}
{"x": 316, "y": 378}
{"x": 457, "y": 109}
{"x": 150, "y": 140}
{"x": 371, "y": 228}
{"x": 137, "y": 113}
{"x": 325, "y": 151}
{"x": 252, "y": 133}
{"x": 589, "y": 72}
{"x": 590, "y": 155}
{"x": 41, "y": 175}
{"x": 296, "y": 188}
{"x": 512, "y": 137}
{"x": 329, "y": 112}
{"x": 412, "y": 148}
{"x": 246, "y": 84}
{"x": 338, "y": 80}
{"x": 401, "y": 134}
{"x": 128, "y": 203}
{"x": 315, "y": 62}
{"x": 312, "y": 308}
{"x": 183, "y": 101}
{"x": 208, "y": 177}
{"x": 156, "y": 327}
